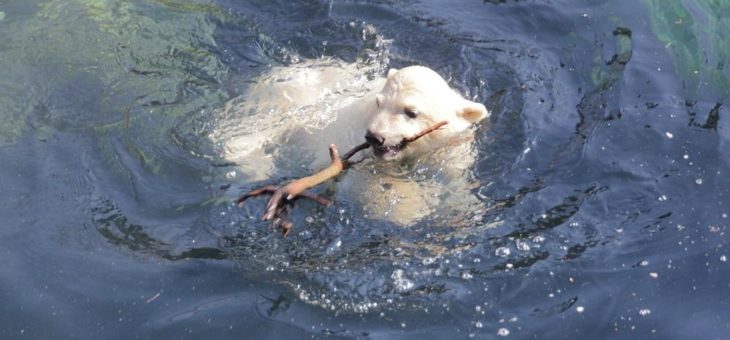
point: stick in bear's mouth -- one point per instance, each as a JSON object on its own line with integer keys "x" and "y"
{"x": 394, "y": 149}
{"x": 279, "y": 205}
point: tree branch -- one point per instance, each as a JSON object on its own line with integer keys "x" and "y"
{"x": 282, "y": 197}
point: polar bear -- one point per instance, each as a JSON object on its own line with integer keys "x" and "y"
{"x": 413, "y": 99}
{"x": 299, "y": 110}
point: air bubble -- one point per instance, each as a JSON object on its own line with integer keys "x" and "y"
{"x": 523, "y": 246}
{"x": 502, "y": 252}
{"x": 401, "y": 283}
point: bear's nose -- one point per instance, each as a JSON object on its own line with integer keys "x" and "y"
{"x": 374, "y": 139}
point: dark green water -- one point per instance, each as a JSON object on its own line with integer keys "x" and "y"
{"x": 604, "y": 169}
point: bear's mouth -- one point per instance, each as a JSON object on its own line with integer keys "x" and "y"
{"x": 387, "y": 151}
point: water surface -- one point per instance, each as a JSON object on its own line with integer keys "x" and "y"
{"x": 602, "y": 170}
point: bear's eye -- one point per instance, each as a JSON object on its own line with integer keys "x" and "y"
{"x": 410, "y": 112}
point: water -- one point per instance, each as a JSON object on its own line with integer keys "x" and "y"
{"x": 602, "y": 174}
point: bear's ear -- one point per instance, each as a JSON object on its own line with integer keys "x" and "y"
{"x": 473, "y": 112}
{"x": 391, "y": 72}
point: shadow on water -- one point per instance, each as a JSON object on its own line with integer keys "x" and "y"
{"x": 600, "y": 174}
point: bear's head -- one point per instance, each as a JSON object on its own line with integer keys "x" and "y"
{"x": 413, "y": 99}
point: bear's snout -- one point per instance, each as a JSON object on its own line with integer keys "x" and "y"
{"x": 374, "y": 139}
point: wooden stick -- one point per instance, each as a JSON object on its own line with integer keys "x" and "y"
{"x": 297, "y": 187}
{"x": 277, "y": 208}
{"x": 423, "y": 133}
{"x": 354, "y": 150}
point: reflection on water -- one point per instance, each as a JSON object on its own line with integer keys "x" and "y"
{"x": 599, "y": 184}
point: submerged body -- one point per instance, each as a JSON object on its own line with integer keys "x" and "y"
{"x": 299, "y": 110}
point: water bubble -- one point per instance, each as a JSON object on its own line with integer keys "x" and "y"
{"x": 478, "y": 324}
{"x": 723, "y": 258}
{"x": 662, "y": 198}
{"x": 644, "y": 311}
{"x": 333, "y": 246}
{"x": 401, "y": 283}
{"x": 523, "y": 246}
{"x": 428, "y": 260}
{"x": 644, "y": 263}
{"x": 669, "y": 135}
{"x": 231, "y": 174}
{"x": 654, "y": 275}
{"x": 502, "y": 252}
{"x": 698, "y": 181}
{"x": 580, "y": 309}
{"x": 503, "y": 332}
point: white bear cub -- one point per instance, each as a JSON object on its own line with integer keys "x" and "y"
{"x": 412, "y": 100}
{"x": 300, "y": 109}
